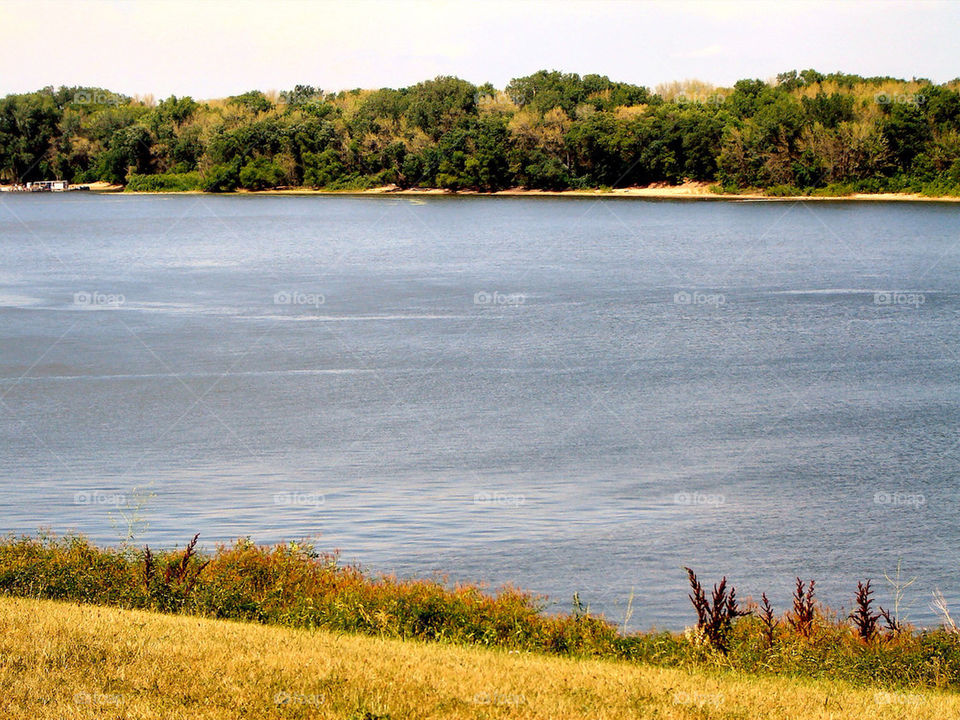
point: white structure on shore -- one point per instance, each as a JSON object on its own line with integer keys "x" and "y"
{"x": 43, "y": 186}
{"x": 48, "y": 186}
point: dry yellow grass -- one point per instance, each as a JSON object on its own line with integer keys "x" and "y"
{"x": 62, "y": 661}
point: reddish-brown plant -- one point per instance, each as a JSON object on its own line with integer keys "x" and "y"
{"x": 864, "y": 618}
{"x": 804, "y": 609}
{"x": 768, "y": 620}
{"x": 715, "y": 617}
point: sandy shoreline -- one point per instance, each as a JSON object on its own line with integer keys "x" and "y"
{"x": 687, "y": 191}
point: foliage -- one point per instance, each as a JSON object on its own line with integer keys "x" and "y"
{"x": 805, "y": 133}
{"x": 715, "y": 618}
{"x": 164, "y": 182}
{"x": 769, "y": 620}
{"x": 864, "y": 618}
{"x": 260, "y": 174}
{"x": 804, "y": 609}
{"x": 221, "y": 178}
{"x": 295, "y": 586}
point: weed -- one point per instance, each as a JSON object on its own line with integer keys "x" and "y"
{"x": 804, "y": 609}
{"x": 715, "y": 618}
{"x": 864, "y": 618}
{"x": 768, "y": 620}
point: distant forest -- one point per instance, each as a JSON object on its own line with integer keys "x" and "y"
{"x": 804, "y": 132}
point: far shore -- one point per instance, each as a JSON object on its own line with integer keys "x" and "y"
{"x": 686, "y": 191}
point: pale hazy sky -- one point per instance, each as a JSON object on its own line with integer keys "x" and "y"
{"x": 209, "y": 48}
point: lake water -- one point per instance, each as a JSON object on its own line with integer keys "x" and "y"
{"x": 563, "y": 394}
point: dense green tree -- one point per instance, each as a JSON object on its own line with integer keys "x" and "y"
{"x": 942, "y": 107}
{"x": 222, "y": 178}
{"x": 487, "y": 167}
{"x": 322, "y": 168}
{"x": 550, "y": 130}
{"x": 305, "y": 136}
{"x": 254, "y": 101}
{"x": 828, "y": 110}
{"x": 302, "y": 96}
{"x": 261, "y": 173}
{"x": 748, "y": 97}
{"x": 595, "y": 149}
{"x": 28, "y": 128}
{"x": 129, "y": 152}
{"x": 906, "y": 131}
{"x": 437, "y": 106}
{"x": 545, "y": 90}
{"x": 543, "y": 172}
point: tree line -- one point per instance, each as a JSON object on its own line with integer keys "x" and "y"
{"x": 802, "y": 132}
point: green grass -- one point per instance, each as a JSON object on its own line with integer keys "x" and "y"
{"x": 293, "y": 586}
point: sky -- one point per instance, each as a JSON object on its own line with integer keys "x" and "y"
{"x": 210, "y": 48}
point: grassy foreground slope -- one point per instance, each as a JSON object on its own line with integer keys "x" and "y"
{"x": 60, "y": 660}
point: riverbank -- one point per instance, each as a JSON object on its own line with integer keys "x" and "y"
{"x": 293, "y": 586}
{"x": 686, "y": 191}
{"x": 63, "y": 660}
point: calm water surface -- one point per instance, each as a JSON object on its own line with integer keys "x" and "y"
{"x": 563, "y": 394}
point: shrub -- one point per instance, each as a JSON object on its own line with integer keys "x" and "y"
{"x": 166, "y": 182}
{"x": 260, "y": 174}
{"x": 292, "y": 585}
{"x": 835, "y": 190}
{"x": 221, "y": 178}
{"x": 322, "y": 169}
{"x": 354, "y": 181}
{"x": 783, "y": 191}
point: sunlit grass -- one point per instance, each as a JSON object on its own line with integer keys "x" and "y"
{"x": 59, "y": 660}
{"x": 291, "y": 585}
